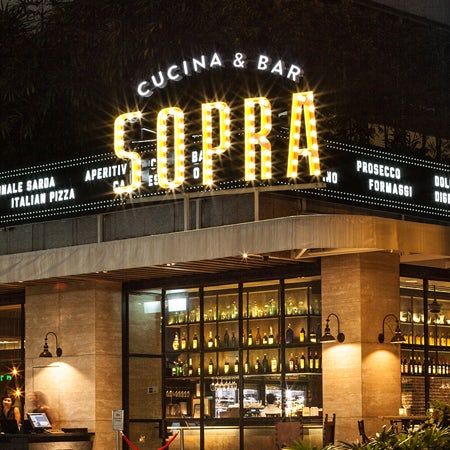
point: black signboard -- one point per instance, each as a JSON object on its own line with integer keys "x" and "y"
{"x": 353, "y": 175}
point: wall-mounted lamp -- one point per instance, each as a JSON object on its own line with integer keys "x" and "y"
{"x": 45, "y": 353}
{"x": 398, "y": 337}
{"x": 327, "y": 336}
{"x": 434, "y": 306}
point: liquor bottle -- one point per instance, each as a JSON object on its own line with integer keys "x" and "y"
{"x": 431, "y": 339}
{"x": 226, "y": 339}
{"x": 183, "y": 342}
{"x": 302, "y": 363}
{"x": 190, "y": 368}
{"x": 226, "y": 367}
{"x": 210, "y": 340}
{"x": 422, "y": 339}
{"x": 236, "y": 365}
{"x": 271, "y": 339}
{"x": 302, "y": 335}
{"x": 291, "y": 363}
{"x": 416, "y": 366}
{"x": 265, "y": 364}
{"x": 296, "y": 366}
{"x": 443, "y": 340}
{"x": 316, "y": 362}
{"x": 439, "y": 368}
{"x": 210, "y": 367}
{"x": 289, "y": 335}
{"x": 257, "y": 337}
{"x": 418, "y": 339}
{"x": 310, "y": 362}
{"x": 257, "y": 365}
{"x": 176, "y": 342}
{"x": 265, "y": 339}
{"x": 410, "y": 366}
{"x": 233, "y": 340}
{"x": 402, "y": 365}
{"x": 273, "y": 364}
{"x": 313, "y": 337}
{"x": 289, "y": 306}
{"x": 217, "y": 340}
{"x": 250, "y": 338}
{"x": 247, "y": 366}
{"x": 195, "y": 342}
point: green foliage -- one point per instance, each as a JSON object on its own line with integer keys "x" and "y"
{"x": 301, "y": 445}
{"x": 429, "y": 436}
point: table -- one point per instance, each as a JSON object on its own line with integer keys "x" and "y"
{"x": 406, "y": 421}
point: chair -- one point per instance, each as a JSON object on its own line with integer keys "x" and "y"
{"x": 362, "y": 432}
{"x": 329, "y": 427}
{"x": 287, "y": 432}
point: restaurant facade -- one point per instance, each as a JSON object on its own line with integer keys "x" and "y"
{"x": 225, "y": 267}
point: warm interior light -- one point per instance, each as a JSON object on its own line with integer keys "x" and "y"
{"x": 178, "y": 148}
{"x": 224, "y": 136}
{"x": 253, "y": 138}
{"x": 134, "y": 157}
{"x": 303, "y": 102}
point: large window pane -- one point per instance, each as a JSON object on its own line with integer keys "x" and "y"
{"x": 145, "y": 322}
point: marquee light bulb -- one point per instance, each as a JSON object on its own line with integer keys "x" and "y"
{"x": 224, "y": 134}
{"x": 311, "y": 151}
{"x": 253, "y": 138}
{"x": 162, "y": 149}
{"x": 119, "y": 150}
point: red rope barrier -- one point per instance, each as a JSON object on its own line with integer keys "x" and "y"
{"x": 166, "y": 445}
{"x": 129, "y": 443}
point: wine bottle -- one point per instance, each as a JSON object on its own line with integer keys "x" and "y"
{"x": 257, "y": 337}
{"x": 233, "y": 340}
{"x": 291, "y": 363}
{"x": 296, "y": 366}
{"x": 247, "y": 366}
{"x": 273, "y": 364}
{"x": 402, "y": 366}
{"x": 302, "y": 363}
{"x": 190, "y": 368}
{"x": 265, "y": 364}
{"x": 257, "y": 365}
{"x": 316, "y": 362}
{"x": 236, "y": 365}
{"x": 217, "y": 340}
{"x": 183, "y": 342}
{"x": 210, "y": 367}
{"x": 250, "y": 338}
{"x": 302, "y": 335}
{"x": 226, "y": 367}
{"x": 176, "y": 342}
{"x": 265, "y": 339}
{"x": 271, "y": 339}
{"x": 210, "y": 340}
{"x": 313, "y": 337}
{"x": 410, "y": 366}
{"x": 226, "y": 339}
{"x": 289, "y": 335}
{"x": 310, "y": 362}
{"x": 195, "y": 342}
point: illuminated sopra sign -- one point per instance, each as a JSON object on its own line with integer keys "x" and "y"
{"x": 257, "y": 129}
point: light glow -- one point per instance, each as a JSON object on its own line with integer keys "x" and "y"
{"x": 178, "y": 148}
{"x": 134, "y": 157}
{"x": 253, "y": 138}
{"x": 303, "y": 101}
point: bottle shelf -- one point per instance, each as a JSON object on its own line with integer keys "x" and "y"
{"x": 422, "y": 375}
{"x": 260, "y": 347}
{"x": 255, "y": 319}
{"x": 182, "y": 377}
{"x": 303, "y": 344}
{"x": 301, "y": 316}
{"x": 221, "y": 349}
{"x": 294, "y": 374}
{"x": 431, "y": 348}
{"x": 430, "y": 325}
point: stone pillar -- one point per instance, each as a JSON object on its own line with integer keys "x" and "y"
{"x": 85, "y": 384}
{"x": 361, "y": 378}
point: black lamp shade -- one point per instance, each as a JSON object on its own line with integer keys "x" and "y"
{"x": 45, "y": 353}
{"x": 398, "y": 337}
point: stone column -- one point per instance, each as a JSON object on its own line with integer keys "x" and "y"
{"x": 85, "y": 384}
{"x": 361, "y": 378}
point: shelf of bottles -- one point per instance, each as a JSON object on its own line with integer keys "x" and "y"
{"x": 241, "y": 335}
{"x": 436, "y": 340}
